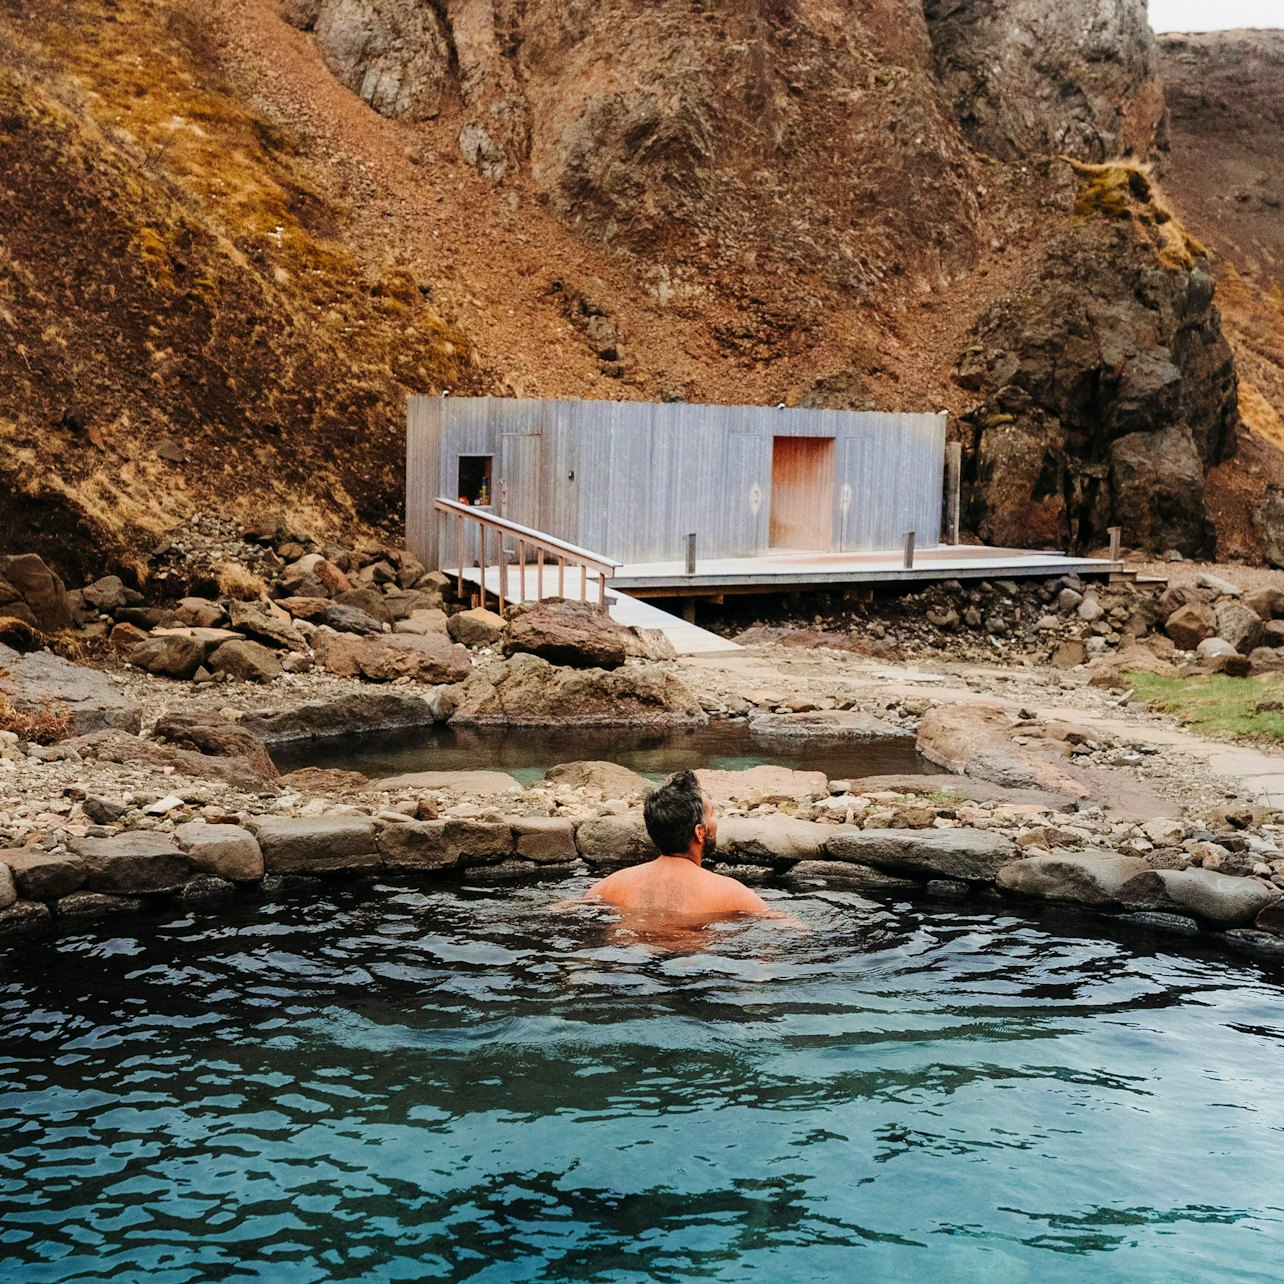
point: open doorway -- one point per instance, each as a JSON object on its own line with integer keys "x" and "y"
{"x": 802, "y": 493}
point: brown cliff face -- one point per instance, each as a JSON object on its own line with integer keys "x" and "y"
{"x": 1225, "y": 173}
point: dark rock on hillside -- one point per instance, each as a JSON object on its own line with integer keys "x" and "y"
{"x": 1108, "y": 388}
{"x": 30, "y": 591}
{"x": 1024, "y": 77}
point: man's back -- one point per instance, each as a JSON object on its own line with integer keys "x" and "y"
{"x": 675, "y": 886}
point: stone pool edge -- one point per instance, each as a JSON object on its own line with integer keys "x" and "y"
{"x": 202, "y": 864}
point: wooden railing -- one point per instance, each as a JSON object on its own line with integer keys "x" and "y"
{"x": 545, "y": 548}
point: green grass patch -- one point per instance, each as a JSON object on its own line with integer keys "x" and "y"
{"x": 1249, "y": 708}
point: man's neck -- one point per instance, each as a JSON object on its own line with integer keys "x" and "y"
{"x": 695, "y": 857}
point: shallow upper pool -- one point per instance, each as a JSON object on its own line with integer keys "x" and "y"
{"x": 528, "y": 752}
{"x": 452, "y": 1084}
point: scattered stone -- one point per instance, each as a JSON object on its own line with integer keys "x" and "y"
{"x": 249, "y": 661}
{"x": 478, "y": 627}
{"x": 41, "y": 596}
{"x": 1205, "y": 579}
{"x": 316, "y": 845}
{"x": 24, "y": 918}
{"x": 546, "y": 840}
{"x": 418, "y": 845}
{"x": 614, "y": 841}
{"x": 227, "y": 851}
{"x": 764, "y": 784}
{"x": 1241, "y": 627}
{"x": 610, "y": 778}
{"x": 170, "y": 655}
{"x": 217, "y": 737}
{"x": 970, "y": 854}
{"x": 1221, "y": 899}
{"x": 135, "y": 861}
{"x": 89, "y": 906}
{"x": 1189, "y": 625}
{"x": 841, "y": 873}
{"x": 771, "y": 840}
{"x": 360, "y": 712}
{"x": 46, "y": 683}
{"x": 429, "y": 658}
{"x": 562, "y": 631}
{"x": 1084, "y": 877}
{"x": 824, "y": 724}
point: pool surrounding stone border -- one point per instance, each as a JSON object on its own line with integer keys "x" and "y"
{"x": 203, "y": 863}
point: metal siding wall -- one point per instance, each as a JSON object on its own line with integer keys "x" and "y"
{"x": 647, "y": 474}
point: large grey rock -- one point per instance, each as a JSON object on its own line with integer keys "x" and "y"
{"x": 8, "y": 887}
{"x": 355, "y": 714}
{"x": 614, "y": 841}
{"x": 352, "y": 619}
{"x": 423, "y": 658}
{"x": 1221, "y": 899}
{"x": 828, "y": 725}
{"x": 1084, "y": 877}
{"x": 1239, "y": 625}
{"x": 418, "y": 844}
{"x": 391, "y": 53}
{"x": 217, "y": 737}
{"x": 764, "y": 784}
{"x": 135, "y": 861}
{"x": 842, "y": 873}
{"x": 547, "y": 840}
{"x": 579, "y": 634}
{"x": 316, "y": 845}
{"x": 249, "y": 661}
{"x": 478, "y": 627}
{"x": 771, "y": 840}
{"x": 44, "y": 876}
{"x": 170, "y": 655}
{"x": 106, "y": 594}
{"x": 528, "y": 689}
{"x": 118, "y": 746}
{"x": 613, "y": 780}
{"x": 945, "y": 853}
{"x": 1027, "y": 78}
{"x": 42, "y": 681}
{"x": 227, "y": 851}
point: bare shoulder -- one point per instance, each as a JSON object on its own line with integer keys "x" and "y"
{"x": 738, "y": 898}
{"x": 613, "y": 885}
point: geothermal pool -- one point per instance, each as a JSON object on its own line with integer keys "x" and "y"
{"x": 527, "y": 752}
{"x": 414, "y": 1082}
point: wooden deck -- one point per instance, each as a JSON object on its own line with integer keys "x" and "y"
{"x": 787, "y": 571}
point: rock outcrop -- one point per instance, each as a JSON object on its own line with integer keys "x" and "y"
{"x": 1025, "y": 77}
{"x": 1108, "y": 388}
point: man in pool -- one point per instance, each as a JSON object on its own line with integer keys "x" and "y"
{"x": 680, "y": 821}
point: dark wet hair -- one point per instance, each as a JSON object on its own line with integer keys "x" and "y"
{"x": 673, "y": 811}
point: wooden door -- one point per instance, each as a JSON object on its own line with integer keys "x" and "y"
{"x": 802, "y": 493}
{"x": 747, "y": 480}
{"x": 520, "y": 482}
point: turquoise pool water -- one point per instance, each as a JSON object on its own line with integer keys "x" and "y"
{"x": 454, "y": 1084}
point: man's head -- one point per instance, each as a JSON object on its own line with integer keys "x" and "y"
{"x": 679, "y": 818}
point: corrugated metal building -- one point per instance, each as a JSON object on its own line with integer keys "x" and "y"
{"x": 630, "y": 480}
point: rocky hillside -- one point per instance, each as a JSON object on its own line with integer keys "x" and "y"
{"x": 1225, "y": 170}
{"x": 236, "y": 234}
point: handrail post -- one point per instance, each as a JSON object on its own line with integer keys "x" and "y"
{"x": 1116, "y": 539}
{"x": 539, "y": 574}
{"x": 481, "y": 561}
{"x": 460, "y": 532}
{"x": 561, "y": 577}
{"x": 503, "y": 571}
{"x": 691, "y": 553}
{"x": 583, "y": 581}
{"x": 909, "y": 550}
{"x": 521, "y": 567}
{"x": 601, "y": 588}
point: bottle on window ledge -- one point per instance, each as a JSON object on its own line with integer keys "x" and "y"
{"x": 483, "y": 495}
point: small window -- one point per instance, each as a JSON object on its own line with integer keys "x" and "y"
{"x": 474, "y": 479}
